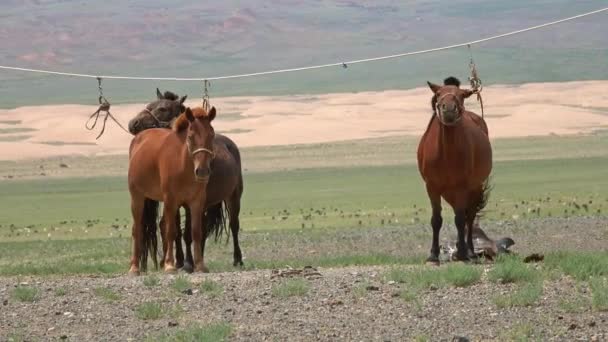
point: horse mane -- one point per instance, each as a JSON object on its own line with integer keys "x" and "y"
{"x": 453, "y": 81}
{"x": 181, "y": 123}
{"x": 168, "y": 95}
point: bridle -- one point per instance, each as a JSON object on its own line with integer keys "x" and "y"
{"x": 439, "y": 116}
{"x": 159, "y": 122}
{"x": 201, "y": 149}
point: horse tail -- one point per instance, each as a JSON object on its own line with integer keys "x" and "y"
{"x": 150, "y": 239}
{"x": 216, "y": 221}
{"x": 483, "y": 197}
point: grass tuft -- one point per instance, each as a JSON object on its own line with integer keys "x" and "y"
{"x": 579, "y": 265}
{"x": 599, "y": 290}
{"x": 149, "y": 311}
{"x": 456, "y": 275}
{"x": 151, "y": 281}
{"x": 25, "y": 294}
{"x": 60, "y": 291}
{"x": 211, "y": 288}
{"x": 106, "y": 294}
{"x": 512, "y": 270}
{"x": 181, "y": 283}
{"x": 291, "y": 288}
{"x": 526, "y": 295}
{"x": 214, "y": 332}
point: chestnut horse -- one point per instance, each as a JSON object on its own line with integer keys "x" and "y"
{"x": 455, "y": 161}
{"x": 172, "y": 166}
{"x": 224, "y": 190}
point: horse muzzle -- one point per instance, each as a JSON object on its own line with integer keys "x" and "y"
{"x": 449, "y": 118}
{"x": 202, "y": 174}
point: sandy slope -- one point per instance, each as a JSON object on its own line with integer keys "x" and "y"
{"x": 511, "y": 111}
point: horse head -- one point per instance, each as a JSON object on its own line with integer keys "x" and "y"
{"x": 199, "y": 139}
{"x": 158, "y": 114}
{"x": 448, "y": 100}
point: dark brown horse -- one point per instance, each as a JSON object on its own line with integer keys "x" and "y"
{"x": 225, "y": 186}
{"x": 455, "y": 161}
{"x": 172, "y": 166}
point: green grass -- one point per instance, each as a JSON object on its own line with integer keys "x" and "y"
{"x": 579, "y": 265}
{"x": 599, "y": 293}
{"x": 211, "y": 288}
{"x": 151, "y": 280}
{"x": 291, "y": 288}
{"x": 519, "y": 333}
{"x": 525, "y": 295}
{"x": 512, "y": 270}
{"x": 60, "y": 291}
{"x": 339, "y": 204}
{"x": 181, "y": 283}
{"x": 577, "y": 305}
{"x": 149, "y": 311}
{"x": 419, "y": 278}
{"x": 212, "y": 332}
{"x": 106, "y": 294}
{"x": 25, "y": 294}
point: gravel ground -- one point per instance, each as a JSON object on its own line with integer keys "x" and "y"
{"x": 351, "y": 303}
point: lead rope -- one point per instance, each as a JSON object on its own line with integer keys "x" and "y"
{"x": 475, "y": 81}
{"x": 104, "y": 106}
{"x": 206, "y": 86}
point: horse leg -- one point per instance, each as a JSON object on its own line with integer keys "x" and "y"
{"x": 470, "y": 220}
{"x": 234, "y": 208}
{"x": 137, "y": 209}
{"x": 188, "y": 241}
{"x": 169, "y": 211}
{"x": 162, "y": 238}
{"x": 197, "y": 237}
{"x": 205, "y": 235}
{"x": 461, "y": 244}
{"x": 179, "y": 253}
{"x": 436, "y": 222}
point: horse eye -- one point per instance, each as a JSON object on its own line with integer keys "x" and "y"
{"x": 163, "y": 109}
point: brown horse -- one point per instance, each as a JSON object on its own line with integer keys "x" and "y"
{"x": 455, "y": 161}
{"x": 224, "y": 189}
{"x": 172, "y": 166}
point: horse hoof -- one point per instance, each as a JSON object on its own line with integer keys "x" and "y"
{"x": 432, "y": 261}
{"x": 133, "y": 273}
{"x": 188, "y": 268}
{"x": 170, "y": 269}
{"x": 238, "y": 263}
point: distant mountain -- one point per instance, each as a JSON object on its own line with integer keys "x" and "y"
{"x": 209, "y": 38}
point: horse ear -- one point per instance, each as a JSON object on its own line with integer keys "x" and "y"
{"x": 181, "y": 101}
{"x": 158, "y": 94}
{"x": 434, "y": 88}
{"x": 189, "y": 115}
{"x": 212, "y": 113}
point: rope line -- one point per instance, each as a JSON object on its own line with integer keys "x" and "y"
{"x": 320, "y": 66}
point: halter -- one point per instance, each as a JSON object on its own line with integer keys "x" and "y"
{"x": 202, "y": 149}
{"x": 439, "y": 116}
{"x": 160, "y": 123}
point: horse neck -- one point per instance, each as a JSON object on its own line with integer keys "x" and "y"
{"x": 186, "y": 161}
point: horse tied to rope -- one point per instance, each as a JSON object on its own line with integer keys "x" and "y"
{"x": 224, "y": 189}
{"x": 455, "y": 161}
{"x": 172, "y": 166}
